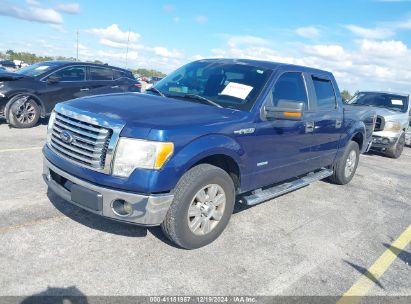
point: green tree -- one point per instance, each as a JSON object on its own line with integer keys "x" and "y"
{"x": 148, "y": 73}
{"x": 345, "y": 95}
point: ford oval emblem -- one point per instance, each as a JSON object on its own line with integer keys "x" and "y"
{"x": 66, "y": 137}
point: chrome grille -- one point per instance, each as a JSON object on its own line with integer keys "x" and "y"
{"x": 81, "y": 142}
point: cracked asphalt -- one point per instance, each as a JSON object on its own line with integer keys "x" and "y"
{"x": 315, "y": 241}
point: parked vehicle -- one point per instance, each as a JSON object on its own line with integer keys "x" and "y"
{"x": 393, "y": 112}
{"x": 32, "y": 92}
{"x": 2, "y": 69}
{"x": 9, "y": 65}
{"x": 179, "y": 155}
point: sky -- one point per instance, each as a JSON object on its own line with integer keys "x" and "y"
{"x": 365, "y": 43}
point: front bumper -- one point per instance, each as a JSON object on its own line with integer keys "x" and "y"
{"x": 408, "y": 138}
{"x": 381, "y": 142}
{"x": 147, "y": 210}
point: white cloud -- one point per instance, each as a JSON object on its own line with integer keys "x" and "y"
{"x": 32, "y": 2}
{"x": 310, "y": 32}
{"x": 391, "y": 48}
{"x": 201, "y": 19}
{"x": 235, "y": 41}
{"x": 31, "y": 13}
{"x": 164, "y": 52}
{"x": 367, "y": 65}
{"x": 324, "y": 50}
{"x": 69, "y": 8}
{"x": 120, "y": 45}
{"x": 370, "y": 33}
{"x": 176, "y": 19}
{"x": 169, "y": 8}
{"x": 114, "y": 34}
{"x": 104, "y": 55}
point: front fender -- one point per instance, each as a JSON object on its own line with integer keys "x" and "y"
{"x": 184, "y": 158}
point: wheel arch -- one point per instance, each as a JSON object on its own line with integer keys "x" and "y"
{"x": 358, "y": 137}
{"x": 225, "y": 162}
{"x": 14, "y": 97}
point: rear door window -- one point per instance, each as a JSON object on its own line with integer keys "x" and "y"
{"x": 324, "y": 91}
{"x": 97, "y": 73}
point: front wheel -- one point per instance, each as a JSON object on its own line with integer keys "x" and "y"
{"x": 203, "y": 203}
{"x": 346, "y": 166}
{"x": 24, "y": 112}
{"x": 396, "y": 150}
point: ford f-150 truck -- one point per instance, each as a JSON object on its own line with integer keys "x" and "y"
{"x": 213, "y": 133}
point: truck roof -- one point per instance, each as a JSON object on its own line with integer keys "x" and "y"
{"x": 266, "y": 64}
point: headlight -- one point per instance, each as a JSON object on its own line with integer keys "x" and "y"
{"x": 137, "y": 153}
{"x": 394, "y": 126}
{"x": 50, "y": 126}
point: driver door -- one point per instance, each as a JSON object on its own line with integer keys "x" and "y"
{"x": 282, "y": 147}
{"x": 65, "y": 84}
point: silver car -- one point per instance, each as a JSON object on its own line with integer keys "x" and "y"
{"x": 390, "y": 132}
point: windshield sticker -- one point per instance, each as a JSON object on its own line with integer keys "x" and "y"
{"x": 237, "y": 90}
{"x": 397, "y": 102}
{"x": 42, "y": 67}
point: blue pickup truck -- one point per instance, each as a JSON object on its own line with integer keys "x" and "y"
{"x": 211, "y": 134}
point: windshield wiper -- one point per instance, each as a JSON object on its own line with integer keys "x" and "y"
{"x": 155, "y": 90}
{"x": 201, "y": 98}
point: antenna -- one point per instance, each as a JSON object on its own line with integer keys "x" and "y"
{"x": 128, "y": 42}
{"x": 77, "y": 46}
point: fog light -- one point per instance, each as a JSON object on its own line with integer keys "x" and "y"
{"x": 385, "y": 141}
{"x": 122, "y": 208}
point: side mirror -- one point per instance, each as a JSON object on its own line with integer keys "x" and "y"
{"x": 53, "y": 79}
{"x": 285, "y": 110}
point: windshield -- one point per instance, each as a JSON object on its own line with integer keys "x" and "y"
{"x": 382, "y": 100}
{"x": 229, "y": 85}
{"x": 37, "y": 69}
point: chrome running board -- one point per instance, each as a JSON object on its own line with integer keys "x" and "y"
{"x": 259, "y": 196}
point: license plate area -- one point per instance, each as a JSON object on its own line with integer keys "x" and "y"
{"x": 86, "y": 197}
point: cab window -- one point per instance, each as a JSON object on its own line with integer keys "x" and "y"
{"x": 290, "y": 87}
{"x": 324, "y": 91}
{"x": 75, "y": 73}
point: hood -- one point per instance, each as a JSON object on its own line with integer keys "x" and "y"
{"x": 7, "y": 76}
{"x": 387, "y": 112}
{"x": 149, "y": 111}
{"x": 384, "y": 112}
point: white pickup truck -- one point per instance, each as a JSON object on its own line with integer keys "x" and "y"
{"x": 392, "y": 125}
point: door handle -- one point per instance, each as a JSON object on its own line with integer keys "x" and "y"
{"x": 84, "y": 89}
{"x": 338, "y": 123}
{"x": 115, "y": 87}
{"x": 309, "y": 126}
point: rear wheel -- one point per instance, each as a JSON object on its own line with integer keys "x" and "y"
{"x": 202, "y": 206}
{"x": 346, "y": 166}
{"x": 396, "y": 150}
{"x": 24, "y": 112}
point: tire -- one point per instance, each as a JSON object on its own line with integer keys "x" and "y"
{"x": 345, "y": 168}
{"x": 189, "y": 195}
{"x": 396, "y": 150}
{"x": 24, "y": 112}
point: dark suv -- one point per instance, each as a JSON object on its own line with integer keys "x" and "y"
{"x": 33, "y": 91}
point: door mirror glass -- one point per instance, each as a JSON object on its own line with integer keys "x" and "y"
{"x": 285, "y": 110}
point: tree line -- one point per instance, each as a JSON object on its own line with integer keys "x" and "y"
{"x": 31, "y": 58}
